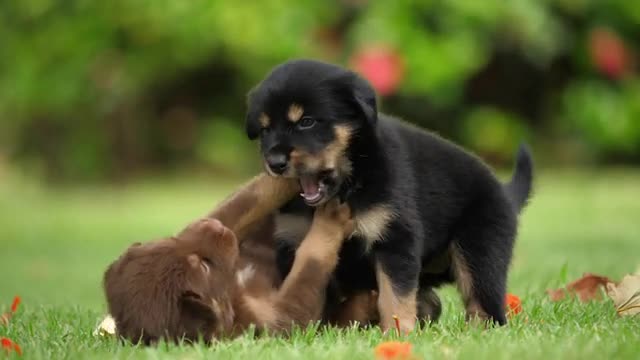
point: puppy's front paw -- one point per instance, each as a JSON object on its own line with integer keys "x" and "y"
{"x": 336, "y": 215}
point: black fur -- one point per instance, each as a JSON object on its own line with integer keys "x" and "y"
{"x": 442, "y": 194}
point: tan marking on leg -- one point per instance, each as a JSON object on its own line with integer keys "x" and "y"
{"x": 390, "y": 304}
{"x": 295, "y": 112}
{"x": 264, "y": 120}
{"x": 464, "y": 282}
{"x": 372, "y": 223}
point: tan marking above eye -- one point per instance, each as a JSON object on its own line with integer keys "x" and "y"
{"x": 295, "y": 112}
{"x": 264, "y": 120}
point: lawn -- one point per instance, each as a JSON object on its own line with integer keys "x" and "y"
{"x": 56, "y": 244}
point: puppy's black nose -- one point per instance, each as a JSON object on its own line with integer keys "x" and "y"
{"x": 277, "y": 163}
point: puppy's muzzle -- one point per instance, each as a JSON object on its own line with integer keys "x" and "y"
{"x": 277, "y": 163}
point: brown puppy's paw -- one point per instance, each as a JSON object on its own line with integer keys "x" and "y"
{"x": 336, "y": 216}
{"x": 207, "y": 229}
{"x": 212, "y": 227}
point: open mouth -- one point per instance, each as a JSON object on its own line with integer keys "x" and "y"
{"x": 315, "y": 187}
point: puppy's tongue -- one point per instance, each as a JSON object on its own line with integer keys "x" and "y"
{"x": 310, "y": 187}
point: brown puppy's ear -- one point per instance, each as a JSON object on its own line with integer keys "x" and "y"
{"x": 197, "y": 306}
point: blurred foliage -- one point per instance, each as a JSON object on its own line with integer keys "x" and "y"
{"x": 92, "y": 89}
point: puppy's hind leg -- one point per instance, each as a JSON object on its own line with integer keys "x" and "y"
{"x": 480, "y": 255}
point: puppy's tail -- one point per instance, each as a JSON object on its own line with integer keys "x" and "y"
{"x": 519, "y": 188}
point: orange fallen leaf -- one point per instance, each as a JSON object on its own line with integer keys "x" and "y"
{"x": 586, "y": 288}
{"x": 393, "y": 350}
{"x": 8, "y": 345}
{"x": 514, "y": 305}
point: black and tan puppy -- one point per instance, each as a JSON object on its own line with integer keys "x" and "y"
{"x": 425, "y": 210}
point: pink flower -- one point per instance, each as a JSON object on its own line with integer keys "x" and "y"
{"x": 381, "y": 65}
{"x": 609, "y": 53}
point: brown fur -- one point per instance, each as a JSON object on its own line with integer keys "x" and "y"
{"x": 184, "y": 286}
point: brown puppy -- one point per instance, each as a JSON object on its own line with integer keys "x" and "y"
{"x": 186, "y": 286}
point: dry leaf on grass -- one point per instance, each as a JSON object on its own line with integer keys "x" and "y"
{"x": 626, "y": 295}
{"x": 586, "y": 288}
{"x": 106, "y": 327}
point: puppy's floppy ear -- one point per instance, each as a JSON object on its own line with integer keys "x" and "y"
{"x": 254, "y": 103}
{"x": 365, "y": 98}
{"x": 197, "y": 306}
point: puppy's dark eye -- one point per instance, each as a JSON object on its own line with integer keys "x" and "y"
{"x": 264, "y": 130}
{"x": 306, "y": 122}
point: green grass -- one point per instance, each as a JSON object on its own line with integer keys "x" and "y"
{"x": 55, "y": 244}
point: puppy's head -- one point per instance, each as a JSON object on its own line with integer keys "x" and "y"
{"x": 306, "y": 114}
{"x": 175, "y": 288}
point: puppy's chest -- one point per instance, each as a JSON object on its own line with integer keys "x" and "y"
{"x": 370, "y": 225}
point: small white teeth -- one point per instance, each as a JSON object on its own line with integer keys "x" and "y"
{"x": 317, "y": 195}
{"x": 313, "y": 197}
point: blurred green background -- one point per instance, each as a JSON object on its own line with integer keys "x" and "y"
{"x": 95, "y": 91}
{"x": 122, "y": 120}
